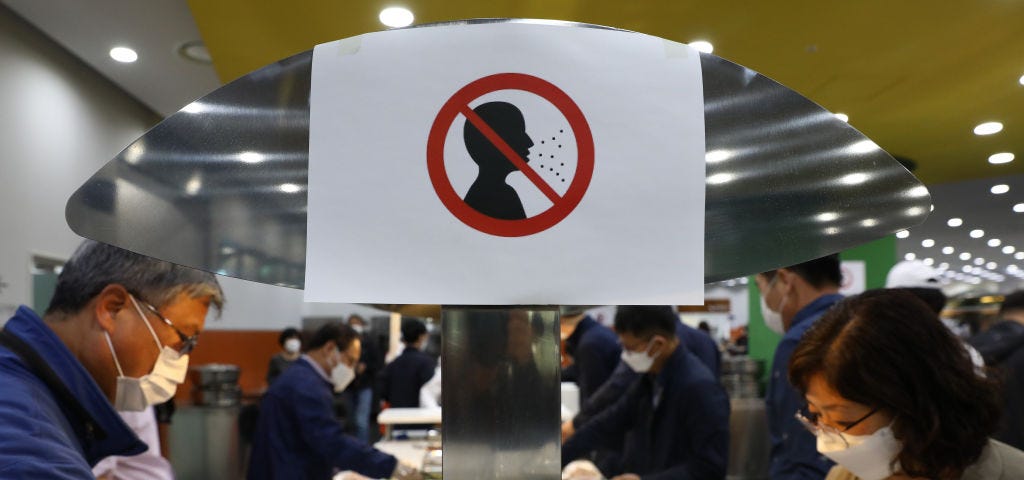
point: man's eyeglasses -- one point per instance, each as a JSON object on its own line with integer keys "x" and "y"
{"x": 812, "y": 422}
{"x": 187, "y": 342}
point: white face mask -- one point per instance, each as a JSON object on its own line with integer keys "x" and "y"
{"x": 292, "y": 345}
{"x": 772, "y": 318}
{"x": 342, "y": 375}
{"x": 868, "y": 456}
{"x": 159, "y": 385}
{"x": 639, "y": 362}
{"x": 359, "y": 329}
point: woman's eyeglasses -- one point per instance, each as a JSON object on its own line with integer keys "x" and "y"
{"x": 812, "y": 422}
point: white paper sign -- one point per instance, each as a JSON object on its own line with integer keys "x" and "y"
{"x": 506, "y": 164}
{"x": 854, "y": 277}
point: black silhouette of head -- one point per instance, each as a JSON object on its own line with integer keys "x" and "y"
{"x": 507, "y": 121}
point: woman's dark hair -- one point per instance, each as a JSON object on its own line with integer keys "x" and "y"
{"x": 886, "y": 349}
{"x": 286, "y": 334}
{"x": 341, "y": 335}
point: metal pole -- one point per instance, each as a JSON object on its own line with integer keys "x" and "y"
{"x": 500, "y": 393}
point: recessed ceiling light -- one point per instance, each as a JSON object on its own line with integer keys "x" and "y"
{"x": 994, "y": 242}
{"x": 396, "y": 17}
{"x": 988, "y": 128}
{"x": 999, "y": 158}
{"x": 702, "y": 46}
{"x": 826, "y": 216}
{"x": 289, "y": 188}
{"x": 905, "y": 234}
{"x": 250, "y": 157}
{"x": 1021, "y": 81}
{"x": 854, "y": 178}
{"x": 928, "y": 261}
{"x": 193, "y": 185}
{"x": 1000, "y": 189}
{"x": 842, "y": 116}
{"x": 720, "y": 178}
{"x": 977, "y": 233}
{"x": 1009, "y": 249}
{"x": 864, "y": 146}
{"x": 943, "y": 266}
{"x": 991, "y": 265}
{"x": 716, "y": 156}
{"x": 123, "y": 54}
{"x": 948, "y": 250}
{"x": 927, "y": 243}
{"x": 965, "y": 256}
{"x": 910, "y": 256}
{"x": 979, "y": 261}
{"x": 869, "y": 222}
{"x": 955, "y": 222}
{"x": 1019, "y": 208}
{"x": 1019, "y": 255}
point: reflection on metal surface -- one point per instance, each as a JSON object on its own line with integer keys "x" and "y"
{"x": 221, "y": 185}
{"x": 501, "y": 393}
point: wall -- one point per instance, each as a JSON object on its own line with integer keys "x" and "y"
{"x": 60, "y": 123}
{"x": 878, "y": 256}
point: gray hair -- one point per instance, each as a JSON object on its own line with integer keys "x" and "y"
{"x": 95, "y": 265}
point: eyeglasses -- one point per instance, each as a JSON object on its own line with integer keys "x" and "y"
{"x": 187, "y": 342}
{"x": 812, "y": 422}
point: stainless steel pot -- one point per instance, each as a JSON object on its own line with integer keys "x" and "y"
{"x": 214, "y": 374}
{"x": 217, "y": 396}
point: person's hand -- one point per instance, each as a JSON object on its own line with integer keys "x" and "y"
{"x": 405, "y": 472}
{"x": 567, "y": 430}
{"x": 627, "y": 476}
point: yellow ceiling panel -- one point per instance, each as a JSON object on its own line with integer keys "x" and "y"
{"x": 913, "y": 75}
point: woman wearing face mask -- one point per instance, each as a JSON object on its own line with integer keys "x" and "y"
{"x": 291, "y": 344}
{"x": 891, "y": 394}
{"x": 297, "y": 434}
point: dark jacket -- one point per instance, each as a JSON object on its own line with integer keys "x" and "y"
{"x": 401, "y": 380}
{"x": 298, "y": 436}
{"x": 595, "y": 351}
{"x": 43, "y": 433}
{"x": 675, "y": 424}
{"x": 1002, "y": 347}
{"x": 374, "y": 361}
{"x": 794, "y": 450}
{"x": 698, "y": 343}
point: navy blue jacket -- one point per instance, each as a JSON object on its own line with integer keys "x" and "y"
{"x": 402, "y": 379}
{"x": 794, "y": 451}
{"x": 595, "y": 351}
{"x": 41, "y": 434}
{"x": 675, "y": 424}
{"x": 698, "y": 343}
{"x": 298, "y": 436}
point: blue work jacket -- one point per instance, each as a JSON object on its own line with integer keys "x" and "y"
{"x": 595, "y": 351}
{"x": 794, "y": 451}
{"x": 298, "y": 436}
{"x": 671, "y": 425}
{"x": 45, "y": 433}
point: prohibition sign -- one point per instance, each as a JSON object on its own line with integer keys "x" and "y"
{"x": 561, "y": 206}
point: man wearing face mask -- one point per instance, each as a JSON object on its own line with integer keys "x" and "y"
{"x": 793, "y": 299}
{"x": 360, "y": 394}
{"x": 291, "y": 346}
{"x": 118, "y": 331}
{"x": 673, "y": 423}
{"x": 298, "y": 435}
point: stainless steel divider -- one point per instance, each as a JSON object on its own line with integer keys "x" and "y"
{"x": 500, "y": 393}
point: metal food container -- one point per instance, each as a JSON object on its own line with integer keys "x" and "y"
{"x": 213, "y": 374}
{"x": 217, "y": 396}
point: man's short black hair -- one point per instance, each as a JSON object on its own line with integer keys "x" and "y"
{"x": 286, "y": 334}
{"x": 819, "y": 273}
{"x": 1013, "y": 301}
{"x": 412, "y": 330}
{"x": 644, "y": 321}
{"x": 341, "y": 335}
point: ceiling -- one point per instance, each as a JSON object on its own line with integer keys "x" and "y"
{"x": 915, "y": 76}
